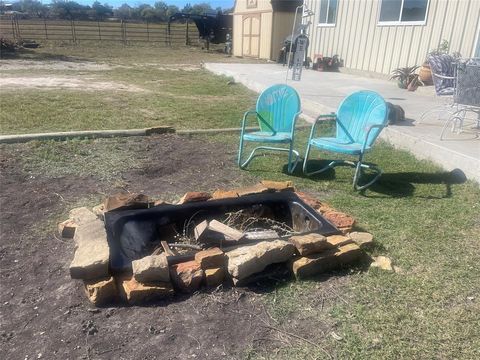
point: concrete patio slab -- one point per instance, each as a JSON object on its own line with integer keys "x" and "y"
{"x": 322, "y": 92}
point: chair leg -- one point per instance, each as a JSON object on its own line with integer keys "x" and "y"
{"x": 325, "y": 168}
{"x": 358, "y": 173}
{"x": 290, "y": 167}
{"x": 240, "y": 152}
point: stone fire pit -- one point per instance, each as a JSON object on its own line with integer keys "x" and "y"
{"x": 132, "y": 249}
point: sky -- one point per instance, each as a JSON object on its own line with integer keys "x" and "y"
{"x": 180, "y": 3}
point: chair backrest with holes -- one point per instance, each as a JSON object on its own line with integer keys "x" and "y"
{"x": 357, "y": 113}
{"x": 277, "y": 107}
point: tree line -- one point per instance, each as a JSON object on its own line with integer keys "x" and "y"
{"x": 71, "y": 10}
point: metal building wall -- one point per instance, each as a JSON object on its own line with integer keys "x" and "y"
{"x": 364, "y": 45}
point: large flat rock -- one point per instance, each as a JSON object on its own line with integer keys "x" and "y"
{"x": 92, "y": 252}
{"x": 247, "y": 260}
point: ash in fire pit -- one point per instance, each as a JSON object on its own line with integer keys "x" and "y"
{"x": 145, "y": 254}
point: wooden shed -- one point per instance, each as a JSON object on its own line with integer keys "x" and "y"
{"x": 260, "y": 26}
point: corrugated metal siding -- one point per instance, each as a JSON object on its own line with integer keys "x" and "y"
{"x": 357, "y": 38}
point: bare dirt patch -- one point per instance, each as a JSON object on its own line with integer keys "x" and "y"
{"x": 22, "y": 65}
{"x": 65, "y": 82}
{"x": 46, "y": 315}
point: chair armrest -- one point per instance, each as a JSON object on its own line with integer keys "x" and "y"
{"x": 294, "y": 122}
{"x": 319, "y": 118}
{"x": 444, "y": 77}
{"x": 259, "y": 118}
{"x": 376, "y": 126}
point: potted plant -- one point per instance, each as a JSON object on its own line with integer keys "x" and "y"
{"x": 425, "y": 73}
{"x": 405, "y": 76}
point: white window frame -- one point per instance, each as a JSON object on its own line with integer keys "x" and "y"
{"x": 319, "y": 24}
{"x": 399, "y": 22}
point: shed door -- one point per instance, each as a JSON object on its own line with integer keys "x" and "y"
{"x": 251, "y": 35}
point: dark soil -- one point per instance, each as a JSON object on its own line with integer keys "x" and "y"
{"x": 45, "y": 314}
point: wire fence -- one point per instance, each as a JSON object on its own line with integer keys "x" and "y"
{"x": 76, "y": 31}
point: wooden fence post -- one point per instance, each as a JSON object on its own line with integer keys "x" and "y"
{"x": 99, "y": 33}
{"x": 13, "y": 29}
{"x": 74, "y": 35}
{"x": 148, "y": 33}
{"x": 45, "y": 25}
{"x": 187, "y": 40}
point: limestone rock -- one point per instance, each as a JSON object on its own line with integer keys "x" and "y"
{"x": 309, "y": 243}
{"x": 314, "y": 203}
{"x": 211, "y": 258}
{"x": 214, "y": 277}
{"x": 126, "y": 200}
{"x": 194, "y": 196}
{"x": 67, "y": 228}
{"x": 99, "y": 210}
{"x": 250, "y": 190}
{"x": 224, "y": 194}
{"x": 382, "y": 262}
{"x": 153, "y": 268}
{"x": 136, "y": 293}
{"x": 92, "y": 252}
{"x": 101, "y": 292}
{"x": 341, "y": 220}
{"x": 335, "y": 241}
{"x": 82, "y": 215}
{"x": 362, "y": 239}
{"x": 278, "y": 185}
{"x": 247, "y": 260}
{"x": 328, "y": 260}
{"x": 187, "y": 276}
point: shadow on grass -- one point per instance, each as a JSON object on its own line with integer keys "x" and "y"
{"x": 403, "y": 184}
{"x": 28, "y": 54}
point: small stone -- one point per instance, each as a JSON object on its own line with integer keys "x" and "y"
{"x": 99, "y": 210}
{"x": 309, "y": 243}
{"x": 247, "y": 260}
{"x": 137, "y": 293}
{"x": 214, "y": 277}
{"x": 187, "y": 276}
{"x": 126, "y": 201}
{"x": 224, "y": 194}
{"x": 211, "y": 258}
{"x": 328, "y": 260}
{"x": 278, "y": 185}
{"x": 334, "y": 241}
{"x": 67, "y": 228}
{"x": 194, "y": 196}
{"x": 153, "y": 268}
{"x": 101, "y": 292}
{"x": 362, "y": 239}
{"x": 250, "y": 190}
{"x": 82, "y": 215}
{"x": 382, "y": 262}
{"x": 92, "y": 252}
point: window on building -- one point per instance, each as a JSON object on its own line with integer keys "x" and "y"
{"x": 394, "y": 12}
{"x": 328, "y": 12}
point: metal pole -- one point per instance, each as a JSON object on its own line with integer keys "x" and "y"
{"x": 291, "y": 42}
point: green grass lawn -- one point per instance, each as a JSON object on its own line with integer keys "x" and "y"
{"x": 425, "y": 219}
{"x": 186, "y": 97}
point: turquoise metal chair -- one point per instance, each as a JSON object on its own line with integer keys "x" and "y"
{"x": 359, "y": 120}
{"x": 277, "y": 110}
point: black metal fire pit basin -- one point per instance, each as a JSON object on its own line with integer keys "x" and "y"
{"x": 133, "y": 234}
